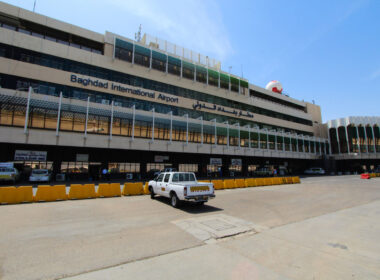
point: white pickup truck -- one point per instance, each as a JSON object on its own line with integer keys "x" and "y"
{"x": 181, "y": 186}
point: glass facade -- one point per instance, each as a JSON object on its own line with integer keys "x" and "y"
{"x": 74, "y": 118}
{"x": 355, "y": 139}
{"x": 88, "y": 70}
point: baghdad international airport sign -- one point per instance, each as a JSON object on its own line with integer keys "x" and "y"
{"x": 121, "y": 88}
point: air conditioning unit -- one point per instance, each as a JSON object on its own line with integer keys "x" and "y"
{"x": 129, "y": 176}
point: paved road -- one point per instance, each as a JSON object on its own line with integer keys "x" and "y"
{"x": 323, "y": 228}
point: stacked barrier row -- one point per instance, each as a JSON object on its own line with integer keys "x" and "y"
{"x": 13, "y": 195}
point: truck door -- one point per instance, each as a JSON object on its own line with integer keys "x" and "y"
{"x": 165, "y": 183}
{"x": 157, "y": 187}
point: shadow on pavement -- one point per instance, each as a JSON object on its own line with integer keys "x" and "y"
{"x": 190, "y": 207}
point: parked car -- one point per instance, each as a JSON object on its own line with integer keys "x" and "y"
{"x": 181, "y": 186}
{"x": 263, "y": 171}
{"x": 40, "y": 175}
{"x": 9, "y": 174}
{"x": 315, "y": 171}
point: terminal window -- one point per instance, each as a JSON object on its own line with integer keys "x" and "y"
{"x": 188, "y": 167}
{"x": 124, "y": 167}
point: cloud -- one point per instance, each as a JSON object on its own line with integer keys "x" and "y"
{"x": 194, "y": 24}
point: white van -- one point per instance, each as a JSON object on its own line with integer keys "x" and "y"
{"x": 9, "y": 174}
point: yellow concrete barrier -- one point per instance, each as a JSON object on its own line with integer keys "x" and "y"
{"x": 276, "y": 181}
{"x": 260, "y": 182}
{"x": 267, "y": 181}
{"x": 146, "y": 188}
{"x": 283, "y": 180}
{"x": 24, "y": 194}
{"x": 133, "y": 188}
{"x": 296, "y": 180}
{"x": 51, "y": 193}
{"x": 218, "y": 184}
{"x": 204, "y": 181}
{"x": 289, "y": 180}
{"x": 78, "y": 191}
{"x": 240, "y": 183}
{"x": 8, "y": 195}
{"x": 250, "y": 182}
{"x": 109, "y": 190}
{"x": 229, "y": 184}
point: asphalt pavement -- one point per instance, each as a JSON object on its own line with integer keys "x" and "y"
{"x": 324, "y": 228}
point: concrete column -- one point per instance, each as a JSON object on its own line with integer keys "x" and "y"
{"x": 337, "y": 138}
{"x": 59, "y": 114}
{"x": 366, "y": 139}
{"x": 358, "y": 138}
{"x": 348, "y": 144}
{"x": 309, "y": 144}
{"x": 275, "y": 141}
{"x": 153, "y": 116}
{"x": 111, "y": 123}
{"x": 27, "y": 110}
{"x": 171, "y": 126}
{"x": 87, "y": 109}
{"x": 133, "y": 121}
{"x": 374, "y": 139}
{"x": 258, "y": 137}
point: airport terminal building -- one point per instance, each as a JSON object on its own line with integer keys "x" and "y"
{"x": 77, "y": 102}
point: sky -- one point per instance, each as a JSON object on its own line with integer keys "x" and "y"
{"x": 322, "y": 51}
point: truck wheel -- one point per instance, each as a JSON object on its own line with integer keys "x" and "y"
{"x": 151, "y": 193}
{"x": 174, "y": 201}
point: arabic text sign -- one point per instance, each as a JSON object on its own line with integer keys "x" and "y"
{"x": 236, "y": 161}
{"x": 215, "y": 161}
{"x": 237, "y": 113}
{"x": 30, "y": 155}
{"x": 158, "y": 158}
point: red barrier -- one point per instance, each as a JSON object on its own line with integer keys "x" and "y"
{"x": 365, "y": 176}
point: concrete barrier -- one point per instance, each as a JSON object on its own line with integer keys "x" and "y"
{"x": 240, "y": 183}
{"x": 296, "y": 180}
{"x": 229, "y": 183}
{"x": 204, "y": 181}
{"x": 24, "y": 194}
{"x": 260, "y": 182}
{"x": 133, "y": 188}
{"x": 267, "y": 181}
{"x": 218, "y": 184}
{"x": 146, "y": 188}
{"x": 250, "y": 182}
{"x": 276, "y": 181}
{"x": 289, "y": 180}
{"x": 8, "y": 195}
{"x": 78, "y": 191}
{"x": 51, "y": 193}
{"x": 108, "y": 190}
